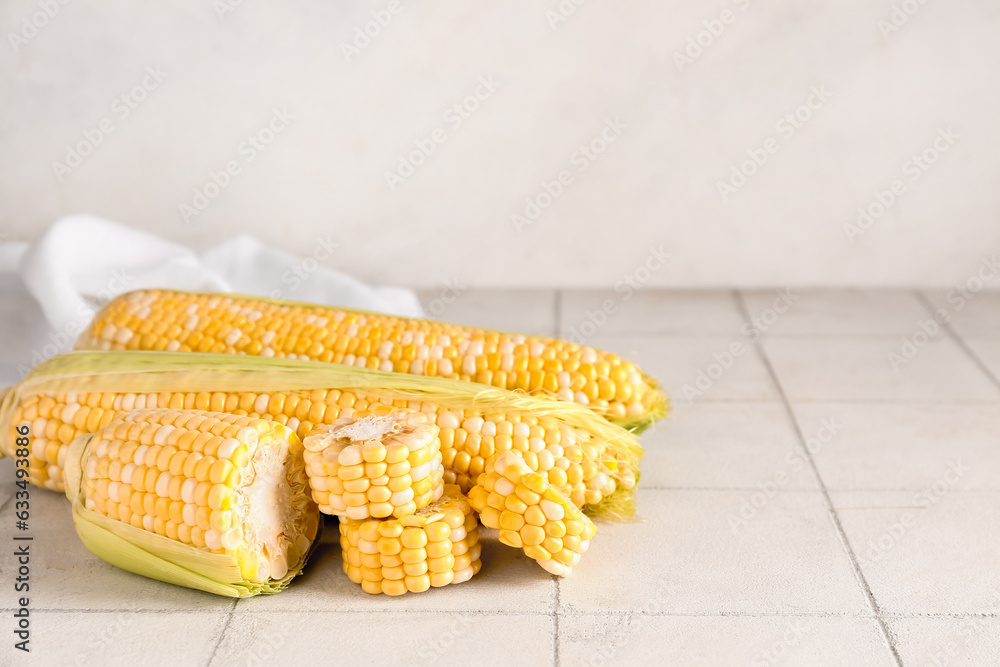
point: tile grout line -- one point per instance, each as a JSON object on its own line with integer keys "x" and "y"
{"x": 841, "y": 533}
{"x": 222, "y": 633}
{"x": 557, "y": 307}
{"x": 958, "y": 340}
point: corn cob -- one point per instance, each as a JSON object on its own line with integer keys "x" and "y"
{"x": 166, "y": 320}
{"x": 377, "y": 463}
{"x": 591, "y": 461}
{"x": 206, "y": 500}
{"x": 530, "y": 514}
{"x": 436, "y": 546}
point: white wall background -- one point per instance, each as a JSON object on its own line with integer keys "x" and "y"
{"x": 656, "y": 185}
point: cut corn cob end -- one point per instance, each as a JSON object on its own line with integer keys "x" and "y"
{"x": 206, "y": 500}
{"x": 375, "y": 464}
{"x": 531, "y": 515}
{"x": 436, "y": 546}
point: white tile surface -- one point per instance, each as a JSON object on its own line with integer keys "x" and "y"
{"x": 521, "y": 311}
{"x": 712, "y": 640}
{"x": 905, "y": 446}
{"x": 697, "y": 368}
{"x": 970, "y": 314}
{"x": 830, "y": 369}
{"x": 932, "y": 550}
{"x": 649, "y": 311}
{"x": 387, "y": 638}
{"x": 121, "y": 638}
{"x": 698, "y": 557}
{"x": 837, "y": 312}
{"x": 988, "y": 351}
{"x": 968, "y": 641}
{"x": 725, "y": 445}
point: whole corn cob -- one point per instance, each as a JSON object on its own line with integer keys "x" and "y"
{"x": 530, "y": 514}
{"x": 436, "y": 546}
{"x": 204, "y": 322}
{"x": 205, "y": 500}
{"x": 377, "y": 463}
{"x": 593, "y": 462}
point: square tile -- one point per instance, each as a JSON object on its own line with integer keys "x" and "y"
{"x": 929, "y": 551}
{"x": 725, "y": 446}
{"x": 903, "y": 446}
{"x": 831, "y": 369}
{"x": 509, "y": 581}
{"x": 648, "y": 311}
{"x": 970, "y": 641}
{"x": 835, "y": 312}
{"x": 698, "y": 640}
{"x": 970, "y": 314}
{"x": 386, "y": 638}
{"x": 64, "y": 575}
{"x": 526, "y": 311}
{"x": 988, "y": 352}
{"x": 716, "y": 552}
{"x": 120, "y": 638}
{"x": 702, "y": 368}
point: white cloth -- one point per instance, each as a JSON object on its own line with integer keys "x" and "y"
{"x": 82, "y": 261}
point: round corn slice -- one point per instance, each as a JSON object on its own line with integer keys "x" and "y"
{"x": 375, "y": 464}
{"x": 436, "y": 546}
{"x": 531, "y": 514}
{"x": 218, "y": 483}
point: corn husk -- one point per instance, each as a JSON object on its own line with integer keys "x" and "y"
{"x": 154, "y": 556}
{"x": 146, "y": 372}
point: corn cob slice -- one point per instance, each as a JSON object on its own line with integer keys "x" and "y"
{"x": 377, "y": 463}
{"x": 204, "y": 322}
{"x": 590, "y": 460}
{"x": 436, "y": 546}
{"x": 531, "y": 515}
{"x": 205, "y": 500}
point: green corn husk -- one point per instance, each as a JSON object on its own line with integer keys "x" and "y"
{"x": 157, "y": 557}
{"x": 147, "y": 372}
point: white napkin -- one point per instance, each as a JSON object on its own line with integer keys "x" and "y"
{"x": 83, "y": 261}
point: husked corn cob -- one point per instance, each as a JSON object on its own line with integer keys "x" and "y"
{"x": 592, "y": 462}
{"x": 378, "y": 463}
{"x": 530, "y": 514}
{"x": 204, "y": 322}
{"x": 436, "y": 546}
{"x": 221, "y": 484}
